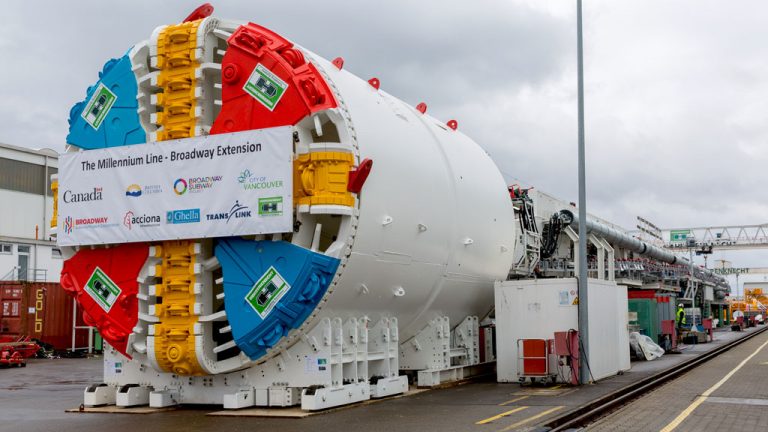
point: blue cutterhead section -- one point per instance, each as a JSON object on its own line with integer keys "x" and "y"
{"x": 269, "y": 289}
{"x": 108, "y": 116}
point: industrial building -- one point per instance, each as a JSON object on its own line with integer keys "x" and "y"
{"x": 27, "y": 252}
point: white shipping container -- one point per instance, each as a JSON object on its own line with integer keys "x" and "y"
{"x": 536, "y": 309}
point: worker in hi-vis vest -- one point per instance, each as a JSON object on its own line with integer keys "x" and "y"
{"x": 680, "y": 316}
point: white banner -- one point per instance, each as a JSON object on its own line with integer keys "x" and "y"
{"x": 212, "y": 186}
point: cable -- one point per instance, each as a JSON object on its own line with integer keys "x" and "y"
{"x": 551, "y": 235}
{"x": 574, "y": 376}
{"x": 586, "y": 361}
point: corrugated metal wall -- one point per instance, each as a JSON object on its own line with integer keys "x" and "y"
{"x": 40, "y": 310}
{"x": 25, "y": 177}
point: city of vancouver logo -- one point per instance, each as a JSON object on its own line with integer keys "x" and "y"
{"x": 251, "y": 180}
{"x": 237, "y": 211}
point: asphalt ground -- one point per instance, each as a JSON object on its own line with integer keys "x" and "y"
{"x": 35, "y": 399}
{"x": 728, "y": 393}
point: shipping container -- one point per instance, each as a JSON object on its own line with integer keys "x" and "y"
{"x": 643, "y": 313}
{"x": 39, "y": 310}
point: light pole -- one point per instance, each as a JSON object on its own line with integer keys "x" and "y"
{"x": 583, "y": 293}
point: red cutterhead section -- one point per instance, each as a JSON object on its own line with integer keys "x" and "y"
{"x": 103, "y": 281}
{"x": 267, "y": 82}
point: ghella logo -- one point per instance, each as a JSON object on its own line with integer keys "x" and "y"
{"x": 183, "y": 216}
{"x": 93, "y": 195}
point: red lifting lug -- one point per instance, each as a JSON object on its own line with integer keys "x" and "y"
{"x": 453, "y": 124}
{"x": 311, "y": 93}
{"x": 230, "y": 73}
{"x": 293, "y": 56}
{"x": 422, "y": 108}
{"x": 358, "y": 176}
{"x": 338, "y": 62}
{"x": 247, "y": 40}
{"x": 203, "y": 11}
{"x": 374, "y": 82}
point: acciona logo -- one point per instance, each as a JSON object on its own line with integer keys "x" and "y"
{"x": 130, "y": 219}
{"x": 93, "y": 195}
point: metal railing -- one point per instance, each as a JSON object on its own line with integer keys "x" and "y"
{"x": 28, "y": 274}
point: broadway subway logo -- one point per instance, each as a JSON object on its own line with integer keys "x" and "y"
{"x": 183, "y": 216}
{"x": 195, "y": 184}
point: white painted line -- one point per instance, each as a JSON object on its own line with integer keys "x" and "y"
{"x": 699, "y": 400}
{"x": 737, "y": 401}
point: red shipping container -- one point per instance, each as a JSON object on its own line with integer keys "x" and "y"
{"x": 39, "y": 310}
{"x": 639, "y": 294}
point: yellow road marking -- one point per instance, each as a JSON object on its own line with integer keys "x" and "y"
{"x": 556, "y": 387}
{"x": 504, "y": 414}
{"x": 699, "y": 400}
{"x": 530, "y": 419}
{"x": 513, "y": 400}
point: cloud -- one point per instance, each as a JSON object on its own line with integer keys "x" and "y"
{"x": 674, "y": 90}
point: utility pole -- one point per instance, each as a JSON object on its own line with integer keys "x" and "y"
{"x": 693, "y": 292}
{"x": 583, "y": 276}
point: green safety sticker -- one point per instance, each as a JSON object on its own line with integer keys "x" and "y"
{"x": 271, "y": 206}
{"x": 267, "y": 292}
{"x": 101, "y": 288}
{"x": 265, "y": 86}
{"x": 98, "y": 106}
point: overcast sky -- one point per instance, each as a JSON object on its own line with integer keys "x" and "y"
{"x": 676, "y": 91}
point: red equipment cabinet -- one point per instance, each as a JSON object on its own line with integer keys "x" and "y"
{"x": 534, "y": 357}
{"x": 567, "y": 351}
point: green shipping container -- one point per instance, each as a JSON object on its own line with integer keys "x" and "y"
{"x": 98, "y": 344}
{"x": 647, "y": 317}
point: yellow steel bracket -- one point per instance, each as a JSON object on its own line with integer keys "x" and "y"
{"x": 55, "y": 193}
{"x": 321, "y": 178}
{"x": 175, "y": 334}
{"x": 178, "y": 63}
{"x": 177, "y": 59}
